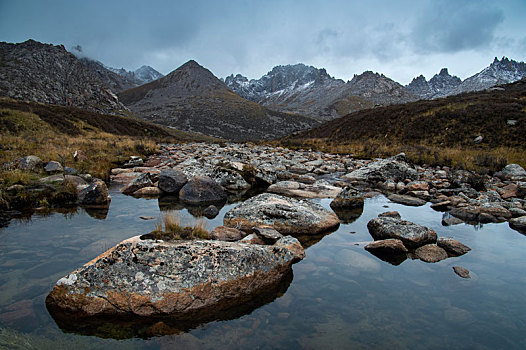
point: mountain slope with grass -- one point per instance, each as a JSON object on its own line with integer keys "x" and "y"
{"x": 29, "y": 128}
{"x": 466, "y": 129}
{"x": 191, "y": 98}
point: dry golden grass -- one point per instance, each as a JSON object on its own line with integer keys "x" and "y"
{"x": 169, "y": 227}
{"x": 475, "y": 158}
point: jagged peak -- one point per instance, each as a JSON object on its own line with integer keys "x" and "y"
{"x": 443, "y": 72}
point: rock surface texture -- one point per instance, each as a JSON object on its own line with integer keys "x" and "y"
{"x": 395, "y": 168}
{"x": 286, "y": 215}
{"x": 186, "y": 279}
{"x": 412, "y": 235}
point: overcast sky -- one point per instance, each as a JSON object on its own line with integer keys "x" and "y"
{"x": 400, "y": 39}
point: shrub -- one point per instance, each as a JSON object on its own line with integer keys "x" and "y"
{"x": 173, "y": 230}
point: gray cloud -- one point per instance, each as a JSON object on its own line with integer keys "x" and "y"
{"x": 451, "y": 26}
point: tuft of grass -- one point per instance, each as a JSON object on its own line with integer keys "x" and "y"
{"x": 169, "y": 228}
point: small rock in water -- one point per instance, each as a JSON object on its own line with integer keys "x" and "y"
{"x": 407, "y": 200}
{"x": 518, "y": 224}
{"x": 412, "y": 235}
{"x": 431, "y": 253}
{"x": 390, "y": 214}
{"x": 147, "y": 217}
{"x": 211, "y": 212}
{"x": 451, "y": 221}
{"x": 461, "y": 271}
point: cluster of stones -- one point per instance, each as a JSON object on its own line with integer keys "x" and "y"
{"x": 308, "y": 174}
{"x": 397, "y": 239}
{"x": 91, "y": 192}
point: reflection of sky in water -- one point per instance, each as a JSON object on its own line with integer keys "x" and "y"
{"x": 340, "y": 297}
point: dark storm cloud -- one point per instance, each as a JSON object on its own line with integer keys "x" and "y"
{"x": 451, "y": 26}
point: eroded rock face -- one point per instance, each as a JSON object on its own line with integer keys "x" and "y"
{"x": 286, "y": 215}
{"x": 412, "y": 235}
{"x": 139, "y": 182}
{"x": 186, "y": 279}
{"x": 518, "y": 224}
{"x": 395, "y": 168}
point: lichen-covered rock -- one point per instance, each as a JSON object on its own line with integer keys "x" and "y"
{"x": 227, "y": 178}
{"x": 461, "y": 271}
{"x": 30, "y": 163}
{"x": 348, "y": 198}
{"x": 172, "y": 180}
{"x": 202, "y": 190}
{"x": 139, "y": 182}
{"x": 185, "y": 279}
{"x": 512, "y": 172}
{"x": 395, "y": 168}
{"x": 94, "y": 195}
{"x": 452, "y": 246}
{"x": 431, "y": 253}
{"x": 412, "y": 235}
{"x": 287, "y": 215}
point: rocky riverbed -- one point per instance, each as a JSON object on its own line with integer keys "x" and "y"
{"x": 467, "y": 196}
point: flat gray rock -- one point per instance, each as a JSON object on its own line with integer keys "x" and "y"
{"x": 412, "y": 235}
{"x": 287, "y": 215}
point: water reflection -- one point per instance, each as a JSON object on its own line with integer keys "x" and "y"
{"x": 131, "y": 326}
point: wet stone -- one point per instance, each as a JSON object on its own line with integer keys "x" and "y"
{"x": 461, "y": 271}
{"x": 412, "y": 235}
{"x": 431, "y": 253}
{"x": 452, "y": 246}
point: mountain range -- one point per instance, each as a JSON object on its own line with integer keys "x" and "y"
{"x": 286, "y": 99}
{"x": 313, "y": 92}
{"x": 191, "y": 98}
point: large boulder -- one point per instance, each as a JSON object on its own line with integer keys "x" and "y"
{"x": 53, "y": 167}
{"x": 184, "y": 279}
{"x": 30, "y": 163}
{"x": 395, "y": 168}
{"x": 289, "y": 216}
{"x": 202, "y": 190}
{"x": 348, "y": 198}
{"x": 227, "y": 178}
{"x": 172, "y": 180}
{"x": 94, "y": 195}
{"x": 412, "y": 235}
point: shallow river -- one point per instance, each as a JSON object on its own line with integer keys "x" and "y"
{"x": 340, "y": 296}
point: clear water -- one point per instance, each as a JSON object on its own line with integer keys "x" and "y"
{"x": 340, "y": 297}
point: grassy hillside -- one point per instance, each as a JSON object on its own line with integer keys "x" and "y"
{"x": 47, "y": 131}
{"x": 440, "y": 131}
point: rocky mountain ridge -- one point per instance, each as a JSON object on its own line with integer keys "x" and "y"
{"x": 49, "y": 74}
{"x": 313, "y": 92}
{"x": 191, "y": 98}
{"x": 441, "y": 85}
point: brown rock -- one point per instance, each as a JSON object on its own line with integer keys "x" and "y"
{"x": 431, "y": 253}
{"x": 387, "y": 246}
{"x": 390, "y": 214}
{"x": 252, "y": 239}
{"x": 148, "y": 191}
{"x": 452, "y": 246}
{"x": 461, "y": 271}
{"x": 229, "y": 234}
